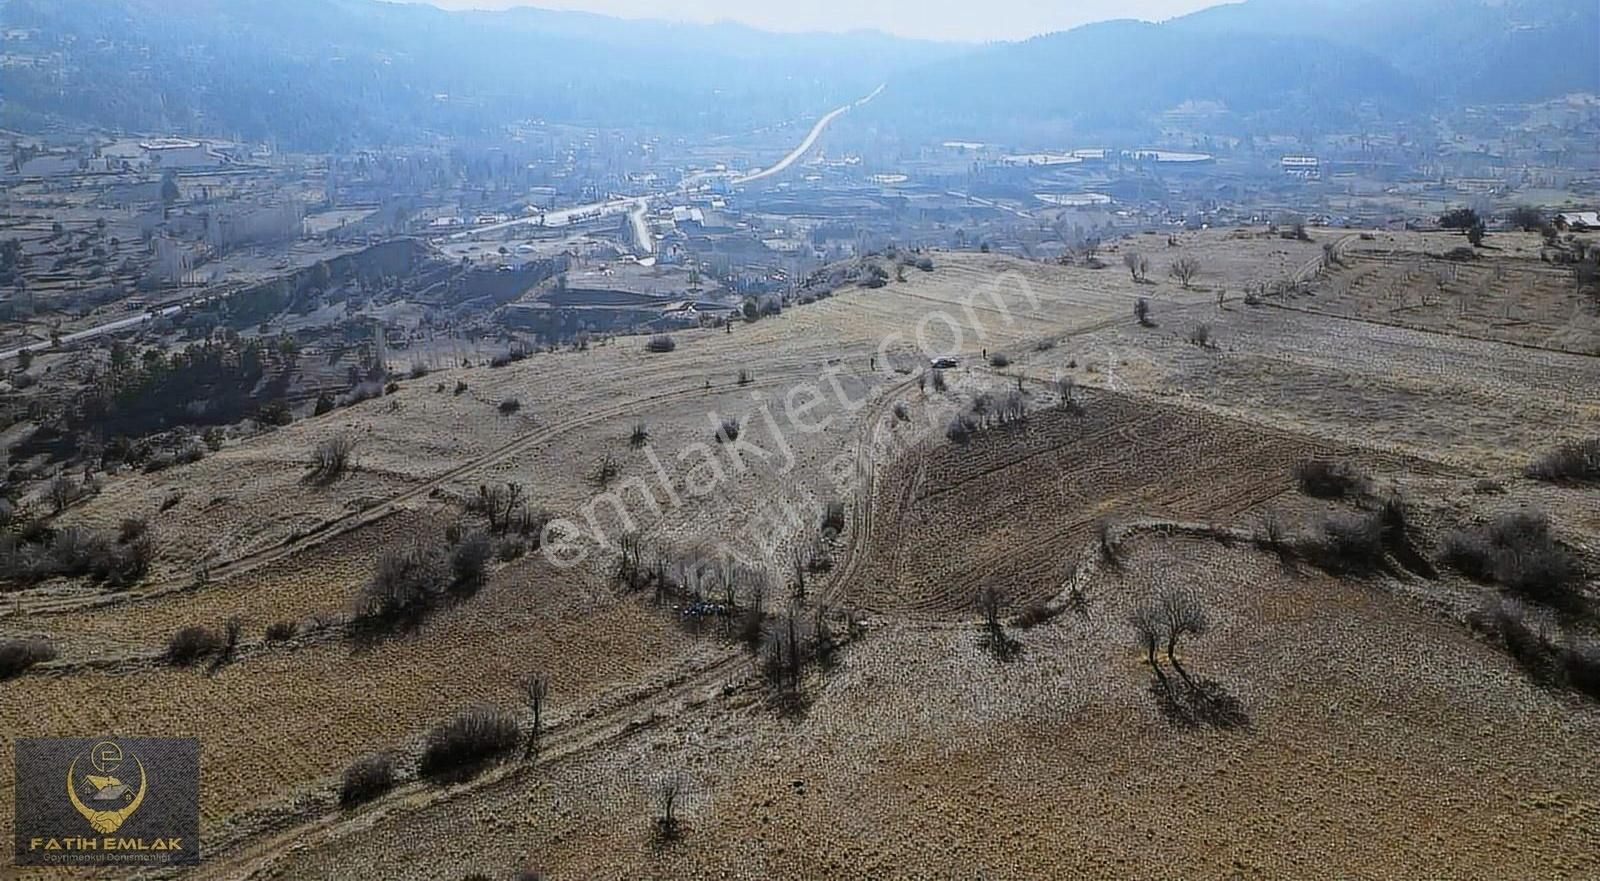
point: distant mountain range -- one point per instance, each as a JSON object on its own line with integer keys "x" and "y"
{"x": 1294, "y": 64}
{"x": 317, "y": 74}
{"x": 321, "y": 73}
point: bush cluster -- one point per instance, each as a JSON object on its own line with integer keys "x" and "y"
{"x": 36, "y": 553}
{"x": 409, "y": 580}
{"x": 1573, "y": 463}
{"x": 1322, "y": 479}
{"x": 17, "y": 655}
{"x": 468, "y": 740}
{"x": 1518, "y": 551}
{"x": 367, "y": 778}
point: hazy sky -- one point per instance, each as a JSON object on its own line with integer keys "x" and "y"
{"x": 936, "y": 19}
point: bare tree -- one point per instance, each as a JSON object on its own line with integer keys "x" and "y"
{"x": 536, "y": 687}
{"x": 1181, "y": 614}
{"x": 669, "y": 791}
{"x": 1138, "y": 265}
{"x": 498, "y": 503}
{"x": 1067, "y": 394}
{"x": 995, "y": 638}
{"x": 1147, "y": 630}
{"x": 1184, "y": 269}
{"x": 331, "y": 458}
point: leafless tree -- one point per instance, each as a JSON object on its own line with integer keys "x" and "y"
{"x": 605, "y": 471}
{"x": 61, "y": 493}
{"x": 1147, "y": 630}
{"x": 669, "y": 790}
{"x": 1184, "y": 269}
{"x": 536, "y": 687}
{"x": 331, "y": 458}
{"x": 630, "y": 560}
{"x": 1181, "y": 614}
{"x": 498, "y": 503}
{"x": 995, "y": 638}
{"x": 1067, "y": 394}
{"x": 1138, "y": 265}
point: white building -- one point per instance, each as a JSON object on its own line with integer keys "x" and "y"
{"x": 178, "y": 153}
{"x": 1301, "y": 166}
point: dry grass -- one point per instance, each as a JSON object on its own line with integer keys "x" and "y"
{"x": 1060, "y": 763}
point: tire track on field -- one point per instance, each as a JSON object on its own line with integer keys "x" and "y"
{"x": 247, "y": 856}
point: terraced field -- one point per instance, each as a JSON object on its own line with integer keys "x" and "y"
{"x": 1368, "y": 706}
{"x": 1012, "y": 509}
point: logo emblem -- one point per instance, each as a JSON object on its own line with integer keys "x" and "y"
{"x": 132, "y": 802}
{"x": 110, "y": 801}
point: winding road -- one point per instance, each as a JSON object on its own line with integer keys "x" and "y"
{"x": 634, "y": 206}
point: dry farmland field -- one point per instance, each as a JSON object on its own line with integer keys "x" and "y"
{"x": 1260, "y": 587}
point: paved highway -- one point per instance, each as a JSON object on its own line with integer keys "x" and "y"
{"x": 634, "y": 206}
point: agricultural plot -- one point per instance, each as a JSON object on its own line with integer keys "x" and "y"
{"x": 1428, "y": 750}
{"x": 1014, "y": 507}
{"x": 1367, "y": 751}
{"x": 1506, "y": 294}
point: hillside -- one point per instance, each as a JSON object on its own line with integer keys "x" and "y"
{"x": 318, "y": 73}
{"x": 1478, "y": 50}
{"x": 1291, "y": 64}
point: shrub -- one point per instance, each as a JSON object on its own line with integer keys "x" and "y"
{"x": 999, "y": 359}
{"x": 1573, "y": 463}
{"x": 469, "y": 561}
{"x": 833, "y": 518}
{"x": 1141, "y": 312}
{"x": 193, "y": 643}
{"x": 957, "y": 431}
{"x": 468, "y": 740}
{"x": 510, "y": 549}
{"x": 367, "y": 778}
{"x": 939, "y": 384}
{"x": 325, "y": 404}
{"x": 1518, "y": 551}
{"x": 745, "y": 378}
{"x": 1036, "y": 613}
{"x": 639, "y": 436}
{"x": 661, "y": 343}
{"x": 405, "y": 582}
{"x": 461, "y": 388}
{"x": 1330, "y": 480}
{"x": 729, "y": 431}
{"x": 1201, "y": 336}
{"x": 1534, "y": 644}
{"x": 282, "y": 631}
{"x": 331, "y": 458}
{"x": 275, "y": 413}
{"x": 418, "y": 370}
{"x": 510, "y": 406}
{"x": 17, "y": 655}
{"x": 1348, "y": 543}
{"x": 189, "y": 454}
{"x": 132, "y": 529}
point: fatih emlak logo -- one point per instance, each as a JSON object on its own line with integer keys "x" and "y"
{"x": 95, "y": 801}
{"x": 110, "y": 801}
